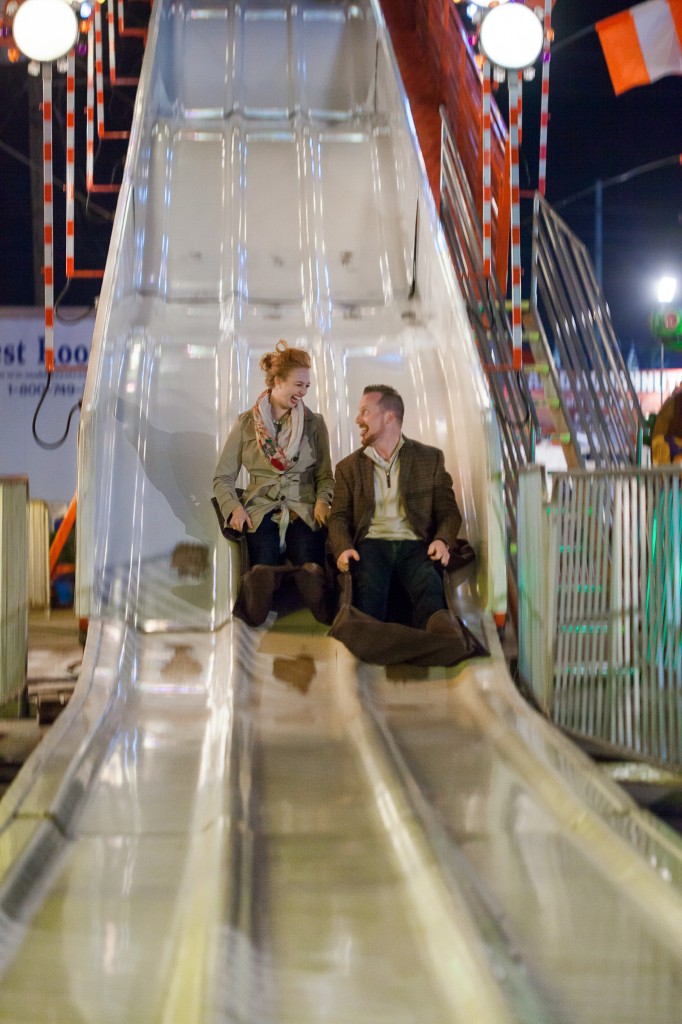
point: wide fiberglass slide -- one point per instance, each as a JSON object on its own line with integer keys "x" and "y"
{"x": 229, "y": 824}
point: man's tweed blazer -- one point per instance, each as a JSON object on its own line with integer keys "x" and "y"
{"x": 425, "y": 488}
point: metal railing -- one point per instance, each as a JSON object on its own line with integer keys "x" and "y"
{"x": 601, "y": 403}
{"x": 600, "y": 596}
{"x": 38, "y": 555}
{"x": 13, "y": 586}
{"x": 516, "y": 415}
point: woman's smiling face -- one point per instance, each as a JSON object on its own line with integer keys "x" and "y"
{"x": 288, "y": 391}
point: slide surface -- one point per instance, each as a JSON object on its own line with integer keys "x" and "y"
{"x": 229, "y": 824}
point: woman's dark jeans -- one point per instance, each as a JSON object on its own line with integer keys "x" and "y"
{"x": 408, "y": 561}
{"x": 302, "y": 543}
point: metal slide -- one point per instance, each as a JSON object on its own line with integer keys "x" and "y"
{"x": 240, "y": 825}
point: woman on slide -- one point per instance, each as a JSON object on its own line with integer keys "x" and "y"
{"x": 284, "y": 447}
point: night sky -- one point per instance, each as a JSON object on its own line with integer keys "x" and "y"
{"x": 592, "y": 135}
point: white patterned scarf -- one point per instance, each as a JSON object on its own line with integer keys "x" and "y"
{"x": 280, "y": 450}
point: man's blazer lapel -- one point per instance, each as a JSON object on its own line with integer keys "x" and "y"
{"x": 406, "y": 458}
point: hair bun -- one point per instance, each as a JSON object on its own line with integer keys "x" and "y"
{"x": 281, "y": 361}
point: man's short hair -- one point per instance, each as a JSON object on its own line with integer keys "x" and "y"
{"x": 390, "y": 399}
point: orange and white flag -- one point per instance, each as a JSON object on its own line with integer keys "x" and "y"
{"x": 643, "y": 43}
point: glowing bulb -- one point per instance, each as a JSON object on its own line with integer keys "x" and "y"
{"x": 511, "y": 36}
{"x": 85, "y": 9}
{"x": 665, "y": 290}
{"x": 45, "y": 29}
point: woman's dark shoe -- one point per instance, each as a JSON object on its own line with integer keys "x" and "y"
{"x": 312, "y": 586}
{"x": 257, "y": 588}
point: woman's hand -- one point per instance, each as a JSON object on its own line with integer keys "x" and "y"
{"x": 239, "y": 518}
{"x": 321, "y": 512}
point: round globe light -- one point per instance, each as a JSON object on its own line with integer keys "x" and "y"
{"x": 665, "y": 290}
{"x": 45, "y": 29}
{"x": 511, "y": 36}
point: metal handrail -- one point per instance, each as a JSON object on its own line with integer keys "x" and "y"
{"x": 516, "y": 415}
{"x": 600, "y": 606}
{"x": 575, "y": 317}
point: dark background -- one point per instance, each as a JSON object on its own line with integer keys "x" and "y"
{"x": 592, "y": 135}
{"x": 21, "y": 231}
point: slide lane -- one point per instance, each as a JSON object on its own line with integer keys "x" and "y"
{"x": 233, "y": 824}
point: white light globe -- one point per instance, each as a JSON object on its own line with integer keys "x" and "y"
{"x": 511, "y": 36}
{"x": 665, "y": 290}
{"x": 45, "y": 29}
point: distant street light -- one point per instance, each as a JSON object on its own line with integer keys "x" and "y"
{"x": 666, "y": 288}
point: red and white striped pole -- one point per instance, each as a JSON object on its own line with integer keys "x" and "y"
{"x": 140, "y": 33}
{"x": 111, "y": 33}
{"x": 114, "y": 76}
{"x": 102, "y": 133}
{"x": 544, "y": 99}
{"x": 517, "y": 333}
{"x": 90, "y": 112}
{"x": 70, "y": 158}
{"x": 48, "y": 216}
{"x": 71, "y": 271}
{"x": 487, "y": 182}
{"x": 99, "y": 74}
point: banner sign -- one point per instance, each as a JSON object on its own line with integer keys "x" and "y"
{"x": 51, "y": 474}
{"x": 667, "y": 325}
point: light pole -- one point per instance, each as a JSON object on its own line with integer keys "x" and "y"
{"x": 597, "y": 190}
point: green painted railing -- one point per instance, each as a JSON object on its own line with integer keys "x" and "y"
{"x": 600, "y": 606}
